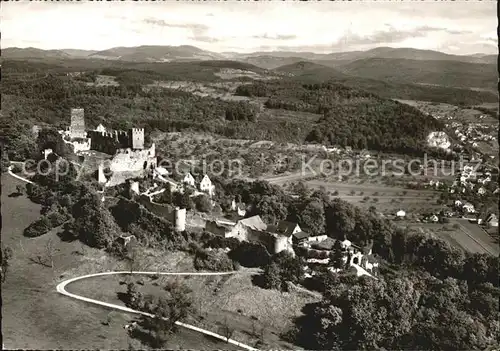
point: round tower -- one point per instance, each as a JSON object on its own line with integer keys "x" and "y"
{"x": 101, "y": 178}
{"x": 180, "y": 219}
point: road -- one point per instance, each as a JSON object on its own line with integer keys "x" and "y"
{"x": 18, "y": 177}
{"x": 61, "y": 288}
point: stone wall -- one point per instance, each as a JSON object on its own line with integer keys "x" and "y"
{"x": 214, "y": 228}
{"x": 161, "y": 210}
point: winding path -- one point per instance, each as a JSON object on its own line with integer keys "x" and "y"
{"x": 61, "y": 288}
{"x": 9, "y": 170}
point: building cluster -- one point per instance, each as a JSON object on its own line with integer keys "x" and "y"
{"x": 468, "y": 178}
{"x": 289, "y": 237}
{"x": 204, "y": 185}
{"x": 473, "y": 133}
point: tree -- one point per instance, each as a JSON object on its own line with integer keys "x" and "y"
{"x": 180, "y": 301}
{"x": 336, "y": 257}
{"x": 20, "y": 189}
{"x": 167, "y": 311}
{"x": 93, "y": 223}
{"x": 227, "y": 330}
{"x": 134, "y": 297}
{"x": 272, "y": 276}
{"x": 51, "y": 139}
{"x": 271, "y": 209}
{"x": 203, "y": 203}
{"x": 5, "y": 258}
{"x": 312, "y": 217}
{"x": 4, "y": 161}
{"x": 38, "y": 227}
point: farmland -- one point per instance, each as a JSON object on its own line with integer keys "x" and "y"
{"x": 463, "y": 234}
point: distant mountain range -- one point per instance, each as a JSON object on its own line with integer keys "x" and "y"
{"x": 399, "y": 65}
{"x": 153, "y": 53}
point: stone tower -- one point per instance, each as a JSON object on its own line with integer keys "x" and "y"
{"x": 101, "y": 178}
{"x": 180, "y": 219}
{"x": 137, "y": 138}
{"x": 77, "y": 128}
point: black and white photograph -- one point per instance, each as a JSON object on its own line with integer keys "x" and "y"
{"x": 250, "y": 175}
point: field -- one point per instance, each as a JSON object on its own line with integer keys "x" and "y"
{"x": 362, "y": 193}
{"x": 34, "y": 315}
{"x": 462, "y": 234}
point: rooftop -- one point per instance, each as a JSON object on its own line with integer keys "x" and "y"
{"x": 254, "y": 222}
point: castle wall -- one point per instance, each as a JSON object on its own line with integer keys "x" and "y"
{"x": 174, "y": 215}
{"x": 161, "y": 210}
{"x": 109, "y": 142}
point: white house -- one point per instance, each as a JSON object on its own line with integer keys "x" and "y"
{"x": 433, "y": 218}
{"x": 189, "y": 180}
{"x": 469, "y": 208}
{"x": 46, "y": 153}
{"x": 241, "y": 212}
{"x": 400, "y": 214}
{"x": 492, "y": 220}
{"x": 100, "y": 128}
{"x": 435, "y": 183}
{"x": 481, "y": 191}
{"x": 345, "y": 244}
{"x": 458, "y": 203}
{"x": 207, "y": 186}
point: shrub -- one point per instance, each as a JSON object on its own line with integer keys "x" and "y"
{"x": 203, "y": 203}
{"x": 38, "y": 227}
{"x": 58, "y": 217}
{"x": 250, "y": 255}
{"x": 212, "y": 261}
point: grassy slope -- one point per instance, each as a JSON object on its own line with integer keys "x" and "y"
{"x": 34, "y": 315}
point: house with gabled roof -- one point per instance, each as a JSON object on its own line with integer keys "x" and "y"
{"x": 189, "y": 180}
{"x": 207, "y": 186}
{"x": 285, "y": 228}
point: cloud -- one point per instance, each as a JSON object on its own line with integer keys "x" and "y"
{"x": 275, "y": 37}
{"x": 204, "y": 39}
{"x": 458, "y": 32}
{"x": 198, "y": 27}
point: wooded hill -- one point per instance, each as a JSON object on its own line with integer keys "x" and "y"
{"x": 351, "y": 117}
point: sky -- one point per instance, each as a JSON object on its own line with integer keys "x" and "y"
{"x": 322, "y": 27}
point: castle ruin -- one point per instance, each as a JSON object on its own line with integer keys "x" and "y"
{"x": 77, "y": 128}
{"x": 110, "y": 141}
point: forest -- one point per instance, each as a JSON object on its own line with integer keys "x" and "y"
{"x": 351, "y": 117}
